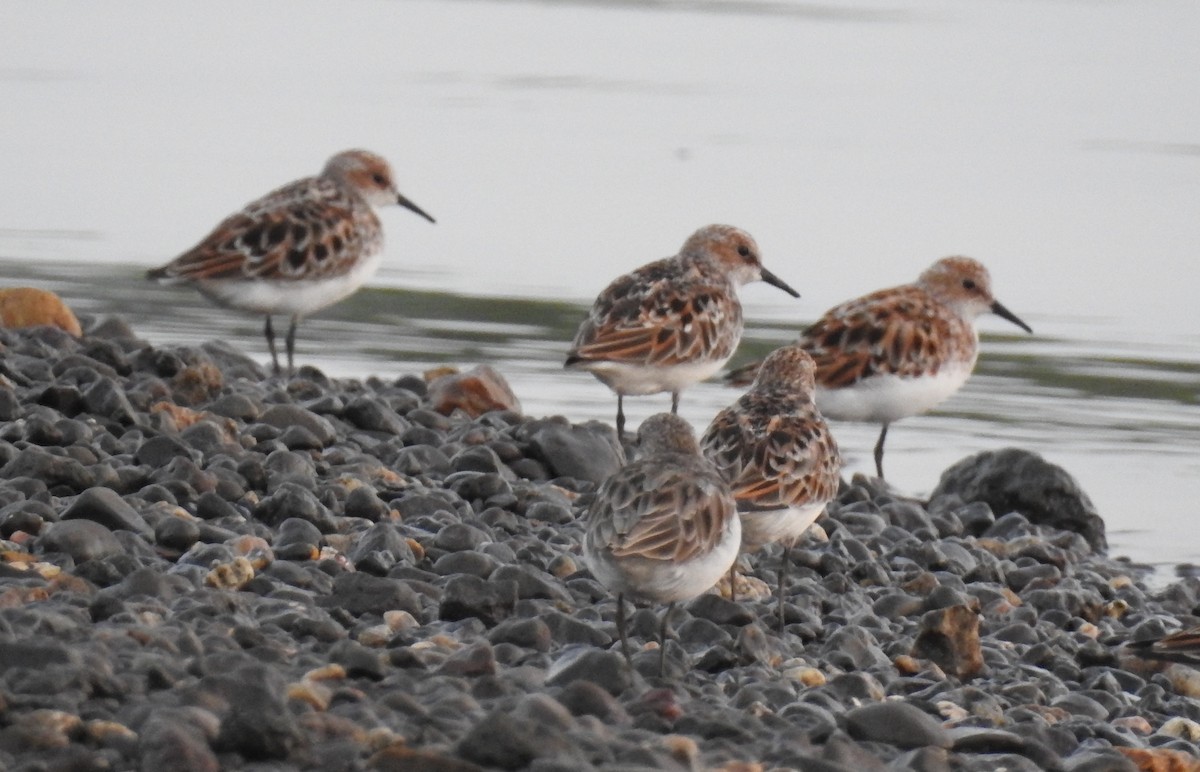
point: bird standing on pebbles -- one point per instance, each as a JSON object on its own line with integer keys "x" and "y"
{"x": 673, "y": 322}
{"x": 775, "y": 450}
{"x": 899, "y": 352}
{"x": 663, "y": 528}
{"x": 298, "y": 249}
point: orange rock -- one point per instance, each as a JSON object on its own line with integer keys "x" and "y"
{"x": 1161, "y": 759}
{"x": 29, "y": 307}
{"x": 477, "y": 391}
{"x": 950, "y": 637}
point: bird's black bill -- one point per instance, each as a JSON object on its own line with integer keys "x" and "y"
{"x": 410, "y": 206}
{"x": 775, "y": 281}
{"x": 1004, "y": 313}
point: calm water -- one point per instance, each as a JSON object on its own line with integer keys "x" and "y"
{"x": 561, "y": 143}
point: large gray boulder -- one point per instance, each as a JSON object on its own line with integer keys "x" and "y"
{"x": 1015, "y": 480}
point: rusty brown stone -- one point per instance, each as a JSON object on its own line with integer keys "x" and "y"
{"x": 950, "y": 638}
{"x": 30, "y": 307}
{"x": 477, "y": 391}
{"x": 197, "y": 384}
{"x": 1161, "y": 760}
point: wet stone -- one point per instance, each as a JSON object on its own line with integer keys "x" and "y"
{"x": 896, "y": 723}
{"x": 467, "y": 562}
{"x": 721, "y": 611}
{"x": 54, "y": 471}
{"x": 83, "y": 540}
{"x": 176, "y": 533}
{"x": 531, "y": 582}
{"x": 504, "y": 742}
{"x": 293, "y": 501}
{"x": 473, "y": 661}
{"x": 168, "y": 742}
{"x": 371, "y": 414}
{"x": 950, "y": 637}
{"x": 567, "y": 630}
{"x": 360, "y": 593}
{"x": 421, "y": 458}
{"x": 469, "y": 596}
{"x": 606, "y": 669}
{"x": 364, "y": 502}
{"x": 159, "y": 451}
{"x": 456, "y": 537}
{"x": 9, "y": 405}
{"x": 286, "y": 417}
{"x": 526, "y": 633}
{"x": 106, "y": 398}
{"x": 476, "y": 459}
{"x": 297, "y": 539}
{"x": 258, "y": 724}
{"x": 587, "y": 451}
{"x": 236, "y": 406}
{"x": 1015, "y": 480}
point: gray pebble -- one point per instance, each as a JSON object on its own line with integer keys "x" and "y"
{"x": 466, "y": 562}
{"x": 83, "y": 540}
{"x": 606, "y": 669}
{"x": 587, "y": 451}
{"x": 896, "y": 723}
{"x": 469, "y": 596}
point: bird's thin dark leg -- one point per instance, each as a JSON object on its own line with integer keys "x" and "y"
{"x": 269, "y": 331}
{"x": 620, "y": 416}
{"x": 674, "y": 403}
{"x": 291, "y": 343}
{"x": 621, "y": 629}
{"x": 879, "y": 451}
{"x": 662, "y": 641}
{"x": 733, "y": 582}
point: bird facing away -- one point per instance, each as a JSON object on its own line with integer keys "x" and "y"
{"x": 298, "y": 249}
{"x": 663, "y": 528}
{"x": 776, "y": 452}
{"x": 673, "y": 322}
{"x": 899, "y": 352}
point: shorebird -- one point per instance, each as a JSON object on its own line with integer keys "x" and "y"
{"x": 298, "y": 249}
{"x": 899, "y": 352}
{"x": 663, "y": 528}
{"x": 673, "y": 322}
{"x": 776, "y": 452}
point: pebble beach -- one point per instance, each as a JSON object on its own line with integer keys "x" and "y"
{"x": 204, "y": 567}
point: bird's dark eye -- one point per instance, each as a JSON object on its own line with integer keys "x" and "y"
{"x": 969, "y": 284}
{"x": 744, "y": 250}
{"x": 380, "y": 180}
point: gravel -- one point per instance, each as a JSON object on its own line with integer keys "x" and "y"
{"x": 206, "y": 568}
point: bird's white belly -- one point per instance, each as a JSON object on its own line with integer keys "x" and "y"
{"x": 300, "y": 297}
{"x": 663, "y": 581}
{"x": 652, "y": 379}
{"x": 887, "y": 398}
{"x": 786, "y": 525}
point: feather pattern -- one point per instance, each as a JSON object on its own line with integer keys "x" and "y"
{"x": 775, "y": 450}
{"x": 672, "y": 322}
{"x": 898, "y": 331}
{"x": 671, "y": 311}
{"x": 311, "y": 229}
{"x": 664, "y": 526}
